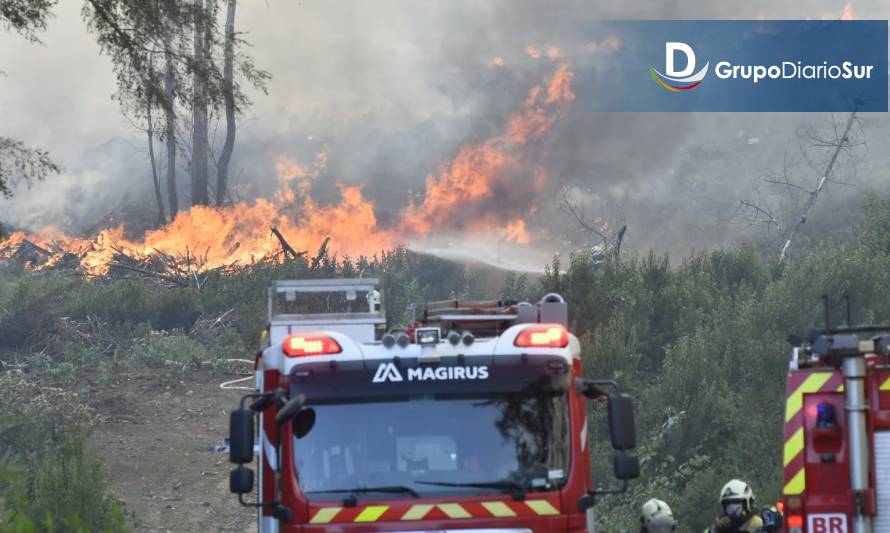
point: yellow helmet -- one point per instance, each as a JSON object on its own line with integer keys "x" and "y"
{"x": 653, "y": 509}
{"x": 737, "y": 491}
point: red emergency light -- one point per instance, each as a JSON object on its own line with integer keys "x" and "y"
{"x": 542, "y": 336}
{"x": 303, "y": 344}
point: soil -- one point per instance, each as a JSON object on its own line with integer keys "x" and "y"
{"x": 154, "y": 432}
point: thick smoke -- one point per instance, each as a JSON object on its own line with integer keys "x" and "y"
{"x": 389, "y": 92}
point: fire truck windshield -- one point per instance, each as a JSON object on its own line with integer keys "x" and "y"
{"x": 436, "y": 444}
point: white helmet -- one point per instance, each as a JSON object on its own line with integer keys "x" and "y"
{"x": 657, "y": 516}
{"x": 737, "y": 491}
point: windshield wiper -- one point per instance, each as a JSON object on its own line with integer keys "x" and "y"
{"x": 517, "y": 490}
{"x": 351, "y": 500}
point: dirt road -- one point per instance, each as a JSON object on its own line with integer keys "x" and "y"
{"x": 154, "y": 438}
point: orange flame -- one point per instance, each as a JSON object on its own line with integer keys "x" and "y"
{"x": 470, "y": 182}
{"x": 465, "y": 196}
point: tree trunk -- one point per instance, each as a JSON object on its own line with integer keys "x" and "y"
{"x": 170, "y": 129}
{"x": 150, "y": 132}
{"x": 222, "y": 176}
{"x": 199, "y": 110}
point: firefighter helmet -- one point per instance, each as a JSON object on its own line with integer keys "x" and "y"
{"x": 738, "y": 491}
{"x": 652, "y": 509}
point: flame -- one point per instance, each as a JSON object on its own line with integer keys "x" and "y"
{"x": 515, "y": 231}
{"x": 469, "y": 184}
{"x": 212, "y": 237}
{"x": 467, "y": 195}
{"x": 287, "y": 169}
{"x": 553, "y": 52}
{"x": 533, "y": 52}
{"x": 497, "y": 62}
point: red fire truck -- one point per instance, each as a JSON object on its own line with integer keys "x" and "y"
{"x": 837, "y": 432}
{"x": 472, "y": 419}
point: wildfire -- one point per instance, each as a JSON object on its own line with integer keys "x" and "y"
{"x": 481, "y": 175}
{"x": 488, "y": 188}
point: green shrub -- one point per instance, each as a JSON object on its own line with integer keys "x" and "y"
{"x": 160, "y": 347}
{"x": 49, "y": 478}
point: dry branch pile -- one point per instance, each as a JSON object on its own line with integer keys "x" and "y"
{"x": 190, "y": 268}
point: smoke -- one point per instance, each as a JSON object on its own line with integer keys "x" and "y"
{"x": 387, "y": 94}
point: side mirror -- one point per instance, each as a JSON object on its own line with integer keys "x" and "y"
{"x": 621, "y": 422}
{"x": 290, "y": 409}
{"x": 626, "y": 466}
{"x": 241, "y": 436}
{"x": 241, "y": 480}
{"x": 303, "y": 422}
{"x": 589, "y": 389}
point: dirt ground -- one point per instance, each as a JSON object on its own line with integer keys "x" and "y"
{"x": 154, "y": 437}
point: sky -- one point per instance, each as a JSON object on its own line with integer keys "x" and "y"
{"x": 389, "y": 92}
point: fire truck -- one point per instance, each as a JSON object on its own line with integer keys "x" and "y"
{"x": 836, "y": 475}
{"x": 473, "y": 419}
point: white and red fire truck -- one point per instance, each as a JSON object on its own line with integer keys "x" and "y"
{"x": 472, "y": 419}
{"x": 836, "y": 475}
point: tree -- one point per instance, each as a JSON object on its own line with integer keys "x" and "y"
{"x": 133, "y": 33}
{"x": 26, "y": 17}
{"x": 201, "y": 71}
{"x": 137, "y": 35}
{"x": 785, "y": 209}
{"x": 214, "y": 90}
{"x": 150, "y": 133}
{"x": 18, "y": 162}
{"x": 21, "y": 163}
{"x": 222, "y": 168}
{"x": 610, "y": 241}
{"x": 169, "y": 104}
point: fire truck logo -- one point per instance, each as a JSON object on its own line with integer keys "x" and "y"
{"x": 387, "y": 372}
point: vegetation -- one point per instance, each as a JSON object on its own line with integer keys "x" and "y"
{"x": 49, "y": 478}
{"x": 698, "y": 341}
{"x": 701, "y": 346}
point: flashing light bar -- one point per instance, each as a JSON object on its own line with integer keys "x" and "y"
{"x": 303, "y": 344}
{"x": 542, "y": 336}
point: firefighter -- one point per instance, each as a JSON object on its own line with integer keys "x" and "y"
{"x": 656, "y": 517}
{"x": 739, "y": 515}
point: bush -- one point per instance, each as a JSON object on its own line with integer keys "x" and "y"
{"x": 160, "y": 347}
{"x": 49, "y": 478}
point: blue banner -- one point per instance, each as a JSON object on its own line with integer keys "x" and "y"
{"x": 736, "y": 65}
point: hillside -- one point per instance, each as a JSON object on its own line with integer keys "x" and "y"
{"x": 134, "y": 366}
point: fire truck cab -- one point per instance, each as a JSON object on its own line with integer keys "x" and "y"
{"x": 836, "y": 475}
{"x": 473, "y": 418}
